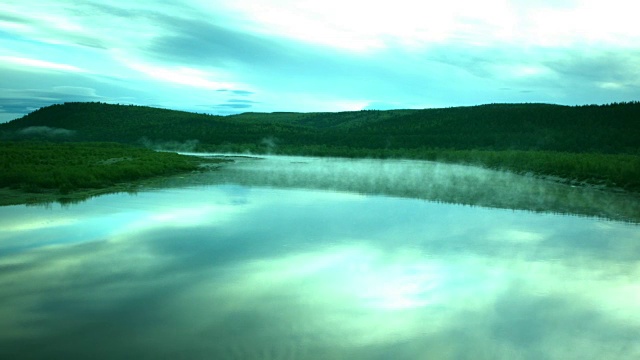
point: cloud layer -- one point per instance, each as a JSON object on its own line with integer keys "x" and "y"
{"x": 316, "y": 56}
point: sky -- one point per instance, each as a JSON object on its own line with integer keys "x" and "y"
{"x": 231, "y": 56}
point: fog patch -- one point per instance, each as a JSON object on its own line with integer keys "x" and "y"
{"x": 46, "y": 131}
{"x": 186, "y": 146}
{"x": 270, "y": 143}
{"x": 449, "y": 183}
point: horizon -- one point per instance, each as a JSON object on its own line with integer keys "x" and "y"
{"x": 313, "y": 112}
{"x": 231, "y": 57}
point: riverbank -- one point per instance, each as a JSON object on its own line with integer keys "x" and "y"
{"x": 40, "y": 172}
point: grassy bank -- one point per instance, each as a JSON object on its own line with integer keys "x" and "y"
{"x": 44, "y": 172}
{"x": 616, "y": 171}
{"x": 34, "y": 171}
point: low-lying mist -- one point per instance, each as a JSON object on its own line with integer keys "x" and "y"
{"x": 45, "y": 131}
{"x": 426, "y": 180}
{"x": 186, "y": 146}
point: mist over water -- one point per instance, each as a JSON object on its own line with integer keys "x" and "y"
{"x": 293, "y": 258}
{"x": 433, "y": 181}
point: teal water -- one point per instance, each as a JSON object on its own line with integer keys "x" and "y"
{"x": 257, "y": 261}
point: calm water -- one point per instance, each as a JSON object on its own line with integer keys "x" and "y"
{"x": 289, "y": 258}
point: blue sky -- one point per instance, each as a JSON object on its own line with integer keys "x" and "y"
{"x": 224, "y": 57}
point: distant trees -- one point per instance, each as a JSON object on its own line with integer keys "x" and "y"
{"x": 613, "y": 128}
{"x": 586, "y": 142}
{"x": 37, "y": 166}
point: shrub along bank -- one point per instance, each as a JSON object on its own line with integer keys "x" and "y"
{"x": 68, "y": 167}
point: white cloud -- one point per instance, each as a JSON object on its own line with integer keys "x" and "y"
{"x": 365, "y": 25}
{"x": 322, "y": 56}
{"x": 182, "y": 75}
{"x": 23, "y": 62}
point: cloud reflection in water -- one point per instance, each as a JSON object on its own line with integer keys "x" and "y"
{"x": 244, "y": 272}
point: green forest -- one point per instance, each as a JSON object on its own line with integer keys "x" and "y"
{"x": 593, "y": 144}
{"x": 64, "y": 168}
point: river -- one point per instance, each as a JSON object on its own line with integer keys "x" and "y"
{"x": 302, "y": 258}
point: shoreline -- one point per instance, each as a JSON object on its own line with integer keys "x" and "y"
{"x": 16, "y": 196}
{"x": 10, "y": 196}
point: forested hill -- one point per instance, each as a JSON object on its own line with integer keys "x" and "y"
{"x": 613, "y": 128}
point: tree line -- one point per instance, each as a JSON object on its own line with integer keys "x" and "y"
{"x": 612, "y": 128}
{"x": 593, "y": 143}
{"x": 67, "y": 167}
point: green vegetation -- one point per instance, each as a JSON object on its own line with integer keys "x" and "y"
{"x": 594, "y": 144}
{"x": 614, "y": 171}
{"x": 612, "y": 129}
{"x": 40, "y": 167}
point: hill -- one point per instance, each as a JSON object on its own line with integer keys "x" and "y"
{"x": 612, "y": 129}
{"x": 594, "y": 143}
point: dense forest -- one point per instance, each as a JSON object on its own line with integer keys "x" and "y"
{"x": 64, "y": 168}
{"x": 613, "y": 128}
{"x": 593, "y": 143}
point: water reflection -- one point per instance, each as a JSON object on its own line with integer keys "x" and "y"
{"x": 426, "y": 180}
{"x": 234, "y": 271}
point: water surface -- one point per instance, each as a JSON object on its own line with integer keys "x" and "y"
{"x": 258, "y": 261}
